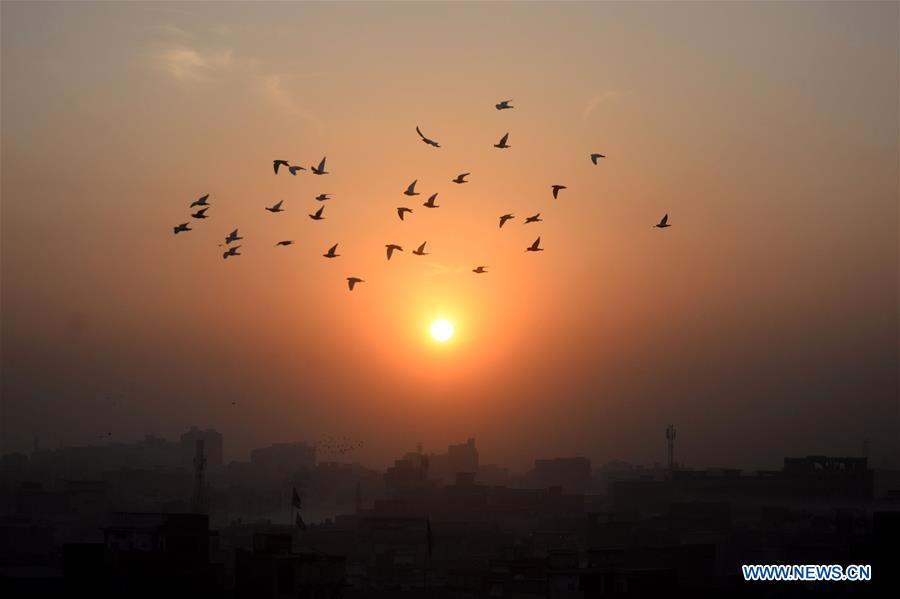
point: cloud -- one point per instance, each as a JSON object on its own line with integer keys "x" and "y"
{"x": 599, "y": 99}
{"x": 273, "y": 88}
{"x": 173, "y": 30}
{"x": 188, "y": 64}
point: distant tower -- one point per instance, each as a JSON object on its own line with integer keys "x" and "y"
{"x": 670, "y": 440}
{"x": 358, "y": 497}
{"x": 865, "y": 448}
{"x": 199, "y": 471}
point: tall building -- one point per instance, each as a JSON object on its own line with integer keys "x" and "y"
{"x": 462, "y": 457}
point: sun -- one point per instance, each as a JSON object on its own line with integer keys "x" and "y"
{"x": 441, "y": 330}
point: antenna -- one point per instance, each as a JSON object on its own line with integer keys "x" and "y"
{"x": 670, "y": 440}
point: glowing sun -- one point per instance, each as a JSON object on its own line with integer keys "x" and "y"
{"x": 441, "y": 330}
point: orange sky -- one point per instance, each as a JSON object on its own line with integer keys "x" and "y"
{"x": 763, "y": 322}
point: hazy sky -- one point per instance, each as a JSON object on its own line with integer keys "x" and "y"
{"x": 763, "y": 323}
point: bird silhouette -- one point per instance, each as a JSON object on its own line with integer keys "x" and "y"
{"x": 276, "y": 208}
{"x": 351, "y": 281}
{"x": 595, "y": 157}
{"x": 200, "y": 213}
{"x": 233, "y": 236}
{"x": 182, "y": 227}
{"x": 504, "y": 105}
{"x": 278, "y": 163}
{"x": 420, "y": 251}
{"x": 411, "y": 190}
{"x": 201, "y": 201}
{"x": 319, "y": 170}
{"x": 390, "y": 249}
{"x": 663, "y": 223}
{"x": 286, "y": 242}
{"x": 402, "y": 210}
{"x": 557, "y": 189}
{"x": 534, "y": 219}
{"x": 461, "y": 178}
{"x": 318, "y": 214}
{"x": 323, "y": 196}
{"x": 429, "y": 203}
{"x": 232, "y": 251}
{"x": 330, "y": 253}
{"x": 505, "y": 218}
{"x": 502, "y": 144}
{"x": 535, "y": 247}
{"x": 430, "y": 142}
{"x": 294, "y": 169}
{"x": 480, "y": 270}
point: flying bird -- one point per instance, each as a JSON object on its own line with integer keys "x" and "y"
{"x": 411, "y": 190}
{"x": 595, "y": 157}
{"x": 503, "y": 143}
{"x": 557, "y": 189}
{"x": 504, "y": 105}
{"x": 276, "y": 208}
{"x": 286, "y": 242}
{"x": 277, "y": 163}
{"x": 201, "y": 201}
{"x": 318, "y": 214}
{"x": 534, "y": 219}
{"x": 429, "y": 203}
{"x": 294, "y": 169}
{"x": 330, "y": 253}
{"x": 480, "y": 270}
{"x": 351, "y": 281}
{"x": 535, "y": 247}
{"x": 663, "y": 223}
{"x": 233, "y": 236}
{"x": 505, "y": 218}
{"x": 232, "y": 251}
{"x": 461, "y": 178}
{"x": 200, "y": 213}
{"x": 319, "y": 170}
{"x": 430, "y": 142}
{"x": 401, "y": 210}
{"x": 182, "y": 227}
{"x": 390, "y": 249}
{"x": 323, "y": 196}
{"x": 420, "y": 251}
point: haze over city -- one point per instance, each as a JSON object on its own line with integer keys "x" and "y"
{"x": 763, "y": 322}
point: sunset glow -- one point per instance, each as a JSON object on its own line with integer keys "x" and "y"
{"x": 413, "y": 299}
{"x": 774, "y": 283}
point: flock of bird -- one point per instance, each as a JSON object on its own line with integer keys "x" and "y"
{"x": 203, "y": 205}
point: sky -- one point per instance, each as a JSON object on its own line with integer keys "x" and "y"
{"x": 763, "y": 323}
